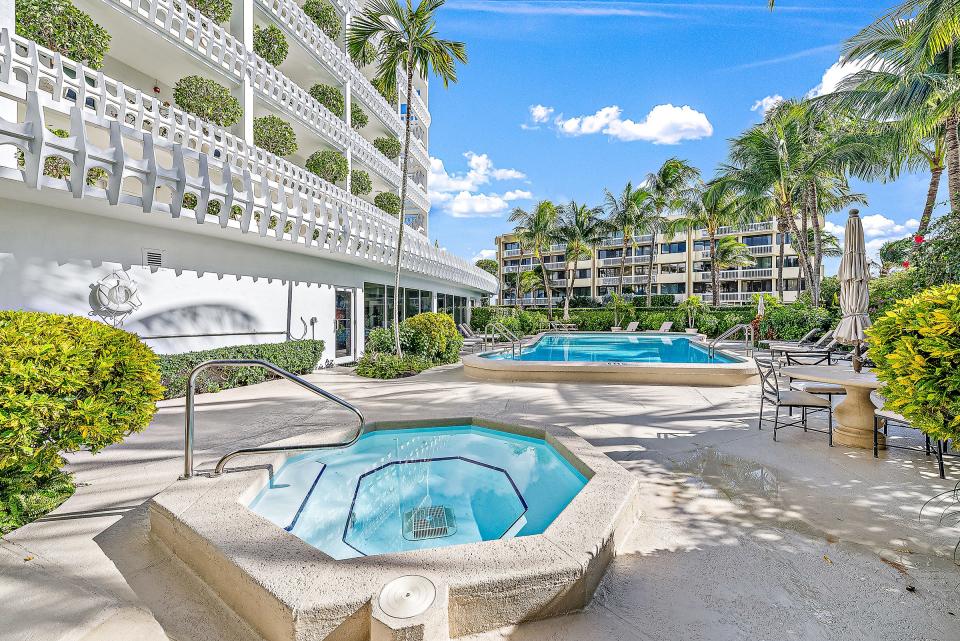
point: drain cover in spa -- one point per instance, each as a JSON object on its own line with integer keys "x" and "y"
{"x": 431, "y": 522}
{"x": 407, "y": 596}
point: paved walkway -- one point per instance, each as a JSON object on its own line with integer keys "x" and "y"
{"x": 741, "y": 538}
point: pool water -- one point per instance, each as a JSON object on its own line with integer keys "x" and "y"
{"x": 412, "y": 489}
{"x": 616, "y": 348}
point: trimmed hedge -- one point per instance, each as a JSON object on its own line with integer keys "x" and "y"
{"x": 328, "y": 164}
{"x": 330, "y": 97}
{"x": 323, "y": 13}
{"x": 275, "y": 135}
{"x": 916, "y": 348}
{"x": 297, "y": 357}
{"x": 791, "y": 322}
{"x": 388, "y": 366}
{"x": 388, "y": 202}
{"x": 217, "y": 10}
{"x": 208, "y": 100}
{"x": 270, "y": 44}
{"x": 388, "y": 146}
{"x": 68, "y": 383}
{"x": 360, "y": 183}
{"x": 427, "y": 339}
{"x": 61, "y": 27}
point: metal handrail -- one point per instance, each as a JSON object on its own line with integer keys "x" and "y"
{"x": 516, "y": 346}
{"x": 252, "y": 362}
{"x": 747, "y": 338}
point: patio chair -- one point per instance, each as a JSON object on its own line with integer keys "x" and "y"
{"x": 631, "y": 327}
{"x": 882, "y": 419}
{"x": 770, "y": 392}
{"x": 470, "y": 342}
{"x": 806, "y": 339}
{"x": 813, "y": 387}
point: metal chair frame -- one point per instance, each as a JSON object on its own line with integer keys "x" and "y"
{"x": 770, "y": 393}
{"x": 884, "y": 421}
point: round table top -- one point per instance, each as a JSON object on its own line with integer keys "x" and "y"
{"x": 831, "y": 374}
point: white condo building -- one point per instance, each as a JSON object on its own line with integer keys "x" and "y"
{"x": 269, "y": 250}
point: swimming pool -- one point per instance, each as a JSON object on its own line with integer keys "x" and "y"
{"x": 418, "y": 488}
{"x": 617, "y": 348}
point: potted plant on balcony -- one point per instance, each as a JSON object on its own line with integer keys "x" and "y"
{"x": 328, "y": 164}
{"x": 270, "y": 44}
{"x": 207, "y": 100}
{"x": 274, "y": 134}
{"x": 64, "y": 29}
{"x": 388, "y": 146}
{"x": 388, "y": 202}
{"x": 217, "y": 10}
{"x": 324, "y": 15}
{"x": 328, "y": 96}
{"x": 360, "y": 183}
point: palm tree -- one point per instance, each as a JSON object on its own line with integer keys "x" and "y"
{"x": 625, "y": 213}
{"x": 581, "y": 230}
{"x": 527, "y": 281}
{"x": 714, "y": 205}
{"x": 668, "y": 189}
{"x": 731, "y": 253}
{"x": 536, "y": 230}
{"x": 404, "y": 38}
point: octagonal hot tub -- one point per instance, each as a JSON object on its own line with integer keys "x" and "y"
{"x": 508, "y": 523}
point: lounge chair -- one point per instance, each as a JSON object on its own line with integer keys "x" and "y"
{"x": 666, "y": 327}
{"x": 830, "y": 345}
{"x": 805, "y": 342}
{"x": 470, "y": 342}
{"x": 632, "y": 327}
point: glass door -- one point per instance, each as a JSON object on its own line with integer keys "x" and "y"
{"x": 343, "y": 323}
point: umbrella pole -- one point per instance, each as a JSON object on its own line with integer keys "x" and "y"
{"x": 857, "y": 363}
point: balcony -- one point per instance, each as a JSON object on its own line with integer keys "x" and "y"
{"x": 630, "y": 260}
{"x": 730, "y": 274}
{"x": 760, "y": 250}
{"x": 512, "y": 252}
{"x": 749, "y": 228}
{"x": 151, "y": 155}
{"x": 756, "y": 273}
{"x": 511, "y": 269}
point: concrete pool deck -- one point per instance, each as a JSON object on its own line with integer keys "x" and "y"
{"x": 744, "y": 538}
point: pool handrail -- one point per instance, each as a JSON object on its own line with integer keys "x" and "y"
{"x": 748, "y": 339}
{"x": 516, "y": 345}
{"x": 189, "y": 418}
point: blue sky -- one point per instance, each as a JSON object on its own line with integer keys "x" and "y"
{"x": 561, "y": 99}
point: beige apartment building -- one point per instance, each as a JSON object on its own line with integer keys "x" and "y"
{"x": 681, "y": 266}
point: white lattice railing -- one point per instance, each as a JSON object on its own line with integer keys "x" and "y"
{"x": 181, "y": 23}
{"x": 416, "y": 105}
{"x": 153, "y": 155}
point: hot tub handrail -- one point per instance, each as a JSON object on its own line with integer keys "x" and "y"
{"x": 189, "y": 418}
{"x": 748, "y": 336}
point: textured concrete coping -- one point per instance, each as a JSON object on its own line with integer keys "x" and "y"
{"x": 287, "y": 589}
{"x": 741, "y": 372}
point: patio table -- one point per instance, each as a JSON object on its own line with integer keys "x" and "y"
{"x": 854, "y": 415}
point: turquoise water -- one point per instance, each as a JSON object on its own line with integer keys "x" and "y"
{"x": 392, "y": 488}
{"x": 616, "y": 348}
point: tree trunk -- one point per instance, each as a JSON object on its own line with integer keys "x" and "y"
{"x": 623, "y": 262}
{"x": 403, "y": 200}
{"x": 953, "y": 161}
{"x": 782, "y": 227}
{"x": 546, "y": 286}
{"x": 936, "y": 171}
{"x": 817, "y": 244}
{"x": 653, "y": 246}
{"x": 800, "y": 246}
{"x": 714, "y": 269}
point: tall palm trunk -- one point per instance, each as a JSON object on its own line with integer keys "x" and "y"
{"x": 653, "y": 242}
{"x": 782, "y": 227}
{"x": 799, "y": 244}
{"x": 714, "y": 269}
{"x": 403, "y": 200}
{"x": 546, "y": 285}
{"x": 817, "y": 243}
{"x": 623, "y": 262}
{"x": 936, "y": 171}
{"x": 571, "y": 270}
{"x": 953, "y": 160}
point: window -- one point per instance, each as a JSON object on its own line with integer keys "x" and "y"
{"x": 509, "y": 246}
{"x": 701, "y": 266}
{"x": 786, "y": 240}
{"x": 511, "y": 263}
{"x": 794, "y": 284}
{"x": 701, "y": 245}
{"x": 673, "y": 268}
{"x": 582, "y": 291}
{"x": 758, "y": 286}
{"x": 583, "y": 273}
{"x": 758, "y": 241}
{"x": 762, "y": 262}
{"x": 789, "y": 261}
{"x": 378, "y": 304}
{"x": 610, "y": 253}
{"x": 613, "y": 272}
{"x": 642, "y": 250}
{"x": 673, "y": 248}
{"x": 673, "y": 288}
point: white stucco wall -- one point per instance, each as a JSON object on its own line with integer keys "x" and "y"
{"x": 49, "y": 258}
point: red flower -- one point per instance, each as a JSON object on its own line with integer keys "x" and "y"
{"x": 918, "y": 239}
{"x": 906, "y": 264}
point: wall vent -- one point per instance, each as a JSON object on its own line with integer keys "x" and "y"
{"x": 153, "y": 257}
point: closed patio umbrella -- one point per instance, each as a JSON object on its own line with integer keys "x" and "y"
{"x": 761, "y": 305}
{"x": 854, "y": 275}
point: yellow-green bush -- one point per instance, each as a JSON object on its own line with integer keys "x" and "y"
{"x": 916, "y": 347}
{"x": 433, "y": 336}
{"x": 68, "y": 384}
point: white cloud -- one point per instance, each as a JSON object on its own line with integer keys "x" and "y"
{"x": 484, "y": 254}
{"x": 766, "y": 103}
{"x": 877, "y": 230}
{"x": 664, "y": 125}
{"x": 540, "y": 113}
{"x": 835, "y": 74}
{"x": 460, "y": 194}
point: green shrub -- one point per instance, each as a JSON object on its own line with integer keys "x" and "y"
{"x": 217, "y": 10}
{"x": 360, "y": 183}
{"x": 937, "y": 258}
{"x": 61, "y": 27}
{"x": 481, "y": 316}
{"x": 584, "y": 302}
{"x": 390, "y": 95}
{"x": 432, "y": 335}
{"x": 887, "y": 290}
{"x": 330, "y": 97}
{"x": 25, "y": 500}
{"x": 532, "y": 322}
{"x": 916, "y": 348}
{"x": 207, "y": 100}
{"x": 328, "y": 164}
{"x": 388, "y": 202}
{"x": 387, "y": 366}
{"x": 592, "y": 320}
{"x": 707, "y": 324}
{"x": 68, "y": 383}
{"x": 654, "y": 320}
{"x": 358, "y": 117}
{"x": 274, "y": 134}
{"x": 791, "y": 322}
{"x": 270, "y": 44}
{"x": 657, "y": 300}
{"x": 325, "y": 16}
{"x": 380, "y": 341}
{"x": 298, "y": 357}
{"x": 388, "y": 146}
